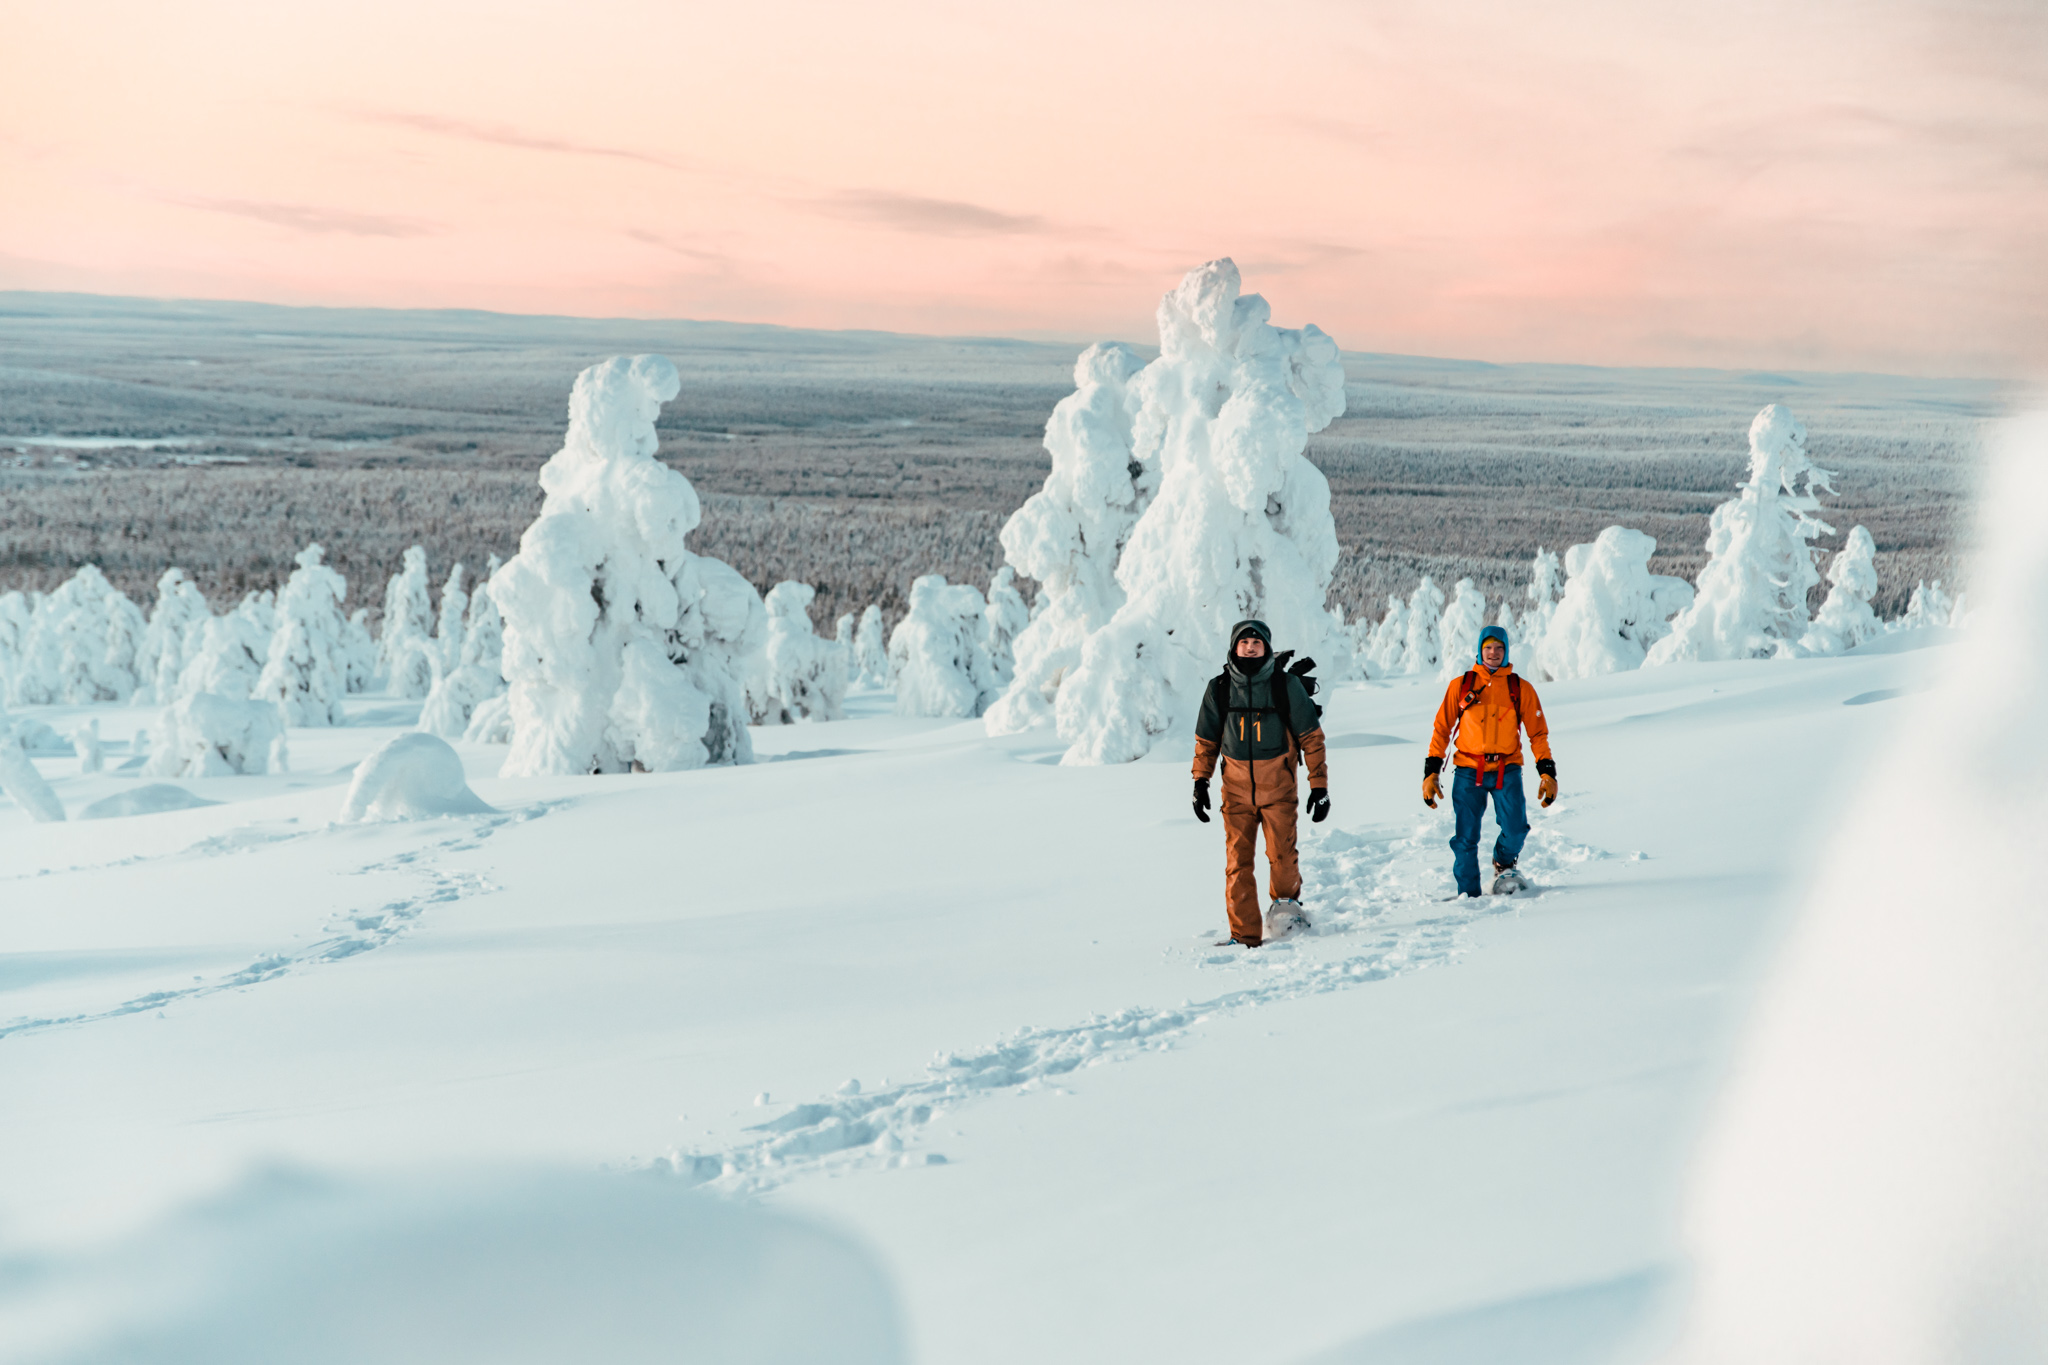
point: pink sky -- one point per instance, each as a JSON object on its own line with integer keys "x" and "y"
{"x": 1849, "y": 186}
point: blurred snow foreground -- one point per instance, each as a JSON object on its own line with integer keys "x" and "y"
{"x": 498, "y": 1270}
{"x": 623, "y": 650}
{"x": 1179, "y": 502}
{"x": 1875, "y": 1189}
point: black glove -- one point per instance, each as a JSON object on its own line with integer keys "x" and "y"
{"x": 1202, "y": 799}
{"x": 1318, "y": 804}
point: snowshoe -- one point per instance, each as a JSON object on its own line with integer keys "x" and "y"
{"x": 1507, "y": 881}
{"x": 1240, "y": 942}
{"x": 1286, "y": 917}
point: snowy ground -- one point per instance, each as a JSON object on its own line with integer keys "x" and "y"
{"x": 936, "y": 991}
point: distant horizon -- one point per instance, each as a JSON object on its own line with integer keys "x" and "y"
{"x": 1078, "y": 341}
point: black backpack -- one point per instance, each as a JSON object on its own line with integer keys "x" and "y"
{"x": 1302, "y": 669}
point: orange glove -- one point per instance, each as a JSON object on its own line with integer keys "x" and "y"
{"x": 1431, "y": 790}
{"x": 1546, "y": 788}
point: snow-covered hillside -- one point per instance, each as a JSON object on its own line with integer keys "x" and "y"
{"x": 951, "y": 999}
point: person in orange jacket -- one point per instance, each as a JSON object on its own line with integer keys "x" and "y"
{"x": 1486, "y": 709}
{"x": 1259, "y": 718}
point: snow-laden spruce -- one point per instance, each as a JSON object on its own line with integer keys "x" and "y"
{"x": 21, "y": 780}
{"x": 305, "y": 667}
{"x": 405, "y": 649}
{"x": 1070, "y": 534}
{"x": 1386, "y": 646}
{"x": 447, "y": 653}
{"x": 359, "y": 659}
{"x": 1750, "y": 600}
{"x": 1239, "y": 524}
{"x": 870, "y": 666}
{"x": 174, "y": 627}
{"x": 478, "y": 675}
{"x": 1006, "y": 618}
{"x": 936, "y": 658}
{"x": 228, "y": 657}
{"x": 623, "y": 648}
{"x": 81, "y": 645}
{"x": 1929, "y": 606}
{"x": 1458, "y": 628}
{"x": 17, "y": 615}
{"x": 1546, "y": 585}
{"x": 1845, "y": 620}
{"x": 806, "y": 675}
{"x": 207, "y": 735}
{"x": 1613, "y": 610}
{"x": 1423, "y": 650}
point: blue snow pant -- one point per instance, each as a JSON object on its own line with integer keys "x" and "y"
{"x": 1510, "y": 812}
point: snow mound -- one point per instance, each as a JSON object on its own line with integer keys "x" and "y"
{"x": 510, "y": 1269}
{"x": 208, "y": 735}
{"x": 414, "y": 776}
{"x": 623, "y": 648}
{"x": 153, "y": 799}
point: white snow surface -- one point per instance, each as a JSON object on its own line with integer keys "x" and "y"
{"x": 410, "y": 777}
{"x": 622, "y": 647}
{"x": 1065, "y": 1091}
{"x": 1239, "y": 525}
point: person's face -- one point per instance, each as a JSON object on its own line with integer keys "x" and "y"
{"x": 1251, "y": 647}
{"x": 1493, "y": 651}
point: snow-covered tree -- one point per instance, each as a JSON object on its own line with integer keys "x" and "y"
{"x": 359, "y": 659}
{"x": 1546, "y": 585}
{"x": 1423, "y": 651}
{"x": 1070, "y": 534}
{"x": 806, "y": 674}
{"x": 17, "y": 615}
{"x": 228, "y": 658}
{"x": 81, "y": 644}
{"x": 1750, "y": 601}
{"x": 1007, "y": 618}
{"x": 180, "y": 609}
{"x": 305, "y": 668}
{"x": 405, "y": 649}
{"x": 871, "y": 650}
{"x": 21, "y": 780}
{"x": 1929, "y": 606}
{"x": 1239, "y": 524}
{"x": 478, "y": 675}
{"x": 1458, "y": 628}
{"x": 448, "y": 623}
{"x": 1613, "y": 610}
{"x": 1386, "y": 647}
{"x": 1845, "y": 620}
{"x": 842, "y": 636}
{"x": 936, "y": 658}
{"x": 623, "y": 648}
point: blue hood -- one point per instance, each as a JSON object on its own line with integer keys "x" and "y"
{"x": 1492, "y": 633}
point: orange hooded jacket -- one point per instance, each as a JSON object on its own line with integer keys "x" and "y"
{"x": 1487, "y": 731}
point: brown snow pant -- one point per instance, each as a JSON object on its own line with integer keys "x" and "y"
{"x": 1241, "y": 823}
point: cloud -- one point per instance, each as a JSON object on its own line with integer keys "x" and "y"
{"x": 935, "y": 217}
{"x": 309, "y": 217}
{"x": 655, "y": 239}
{"x": 500, "y": 135}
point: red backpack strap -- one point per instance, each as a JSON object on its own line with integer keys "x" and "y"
{"x": 1471, "y": 692}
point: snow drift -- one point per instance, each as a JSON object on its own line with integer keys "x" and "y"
{"x": 513, "y": 1269}
{"x": 410, "y": 777}
{"x": 1240, "y": 523}
{"x": 623, "y": 649}
{"x": 1874, "y": 1190}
